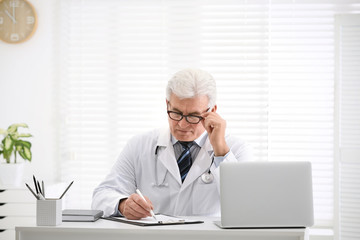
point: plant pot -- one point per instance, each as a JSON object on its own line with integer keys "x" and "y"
{"x": 11, "y": 174}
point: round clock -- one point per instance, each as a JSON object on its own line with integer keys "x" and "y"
{"x": 17, "y": 20}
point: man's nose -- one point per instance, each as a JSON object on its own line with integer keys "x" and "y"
{"x": 183, "y": 123}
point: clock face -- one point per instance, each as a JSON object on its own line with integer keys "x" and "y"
{"x": 17, "y": 20}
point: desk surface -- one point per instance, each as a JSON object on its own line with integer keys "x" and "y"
{"x": 104, "y": 229}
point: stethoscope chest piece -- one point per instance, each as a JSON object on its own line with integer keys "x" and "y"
{"x": 207, "y": 177}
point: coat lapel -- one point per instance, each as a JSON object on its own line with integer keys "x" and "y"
{"x": 166, "y": 156}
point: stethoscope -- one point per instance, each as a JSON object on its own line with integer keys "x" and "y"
{"x": 207, "y": 177}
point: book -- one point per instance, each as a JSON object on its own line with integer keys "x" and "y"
{"x": 150, "y": 221}
{"x": 81, "y": 215}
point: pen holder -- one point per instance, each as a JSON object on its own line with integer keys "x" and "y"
{"x": 48, "y": 212}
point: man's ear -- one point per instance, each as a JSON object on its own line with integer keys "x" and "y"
{"x": 214, "y": 108}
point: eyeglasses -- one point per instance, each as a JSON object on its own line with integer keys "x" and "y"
{"x": 177, "y": 116}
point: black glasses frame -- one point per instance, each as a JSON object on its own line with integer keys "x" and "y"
{"x": 186, "y": 116}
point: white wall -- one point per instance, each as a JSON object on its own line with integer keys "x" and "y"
{"x": 26, "y": 90}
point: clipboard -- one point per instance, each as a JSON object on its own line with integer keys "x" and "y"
{"x": 163, "y": 220}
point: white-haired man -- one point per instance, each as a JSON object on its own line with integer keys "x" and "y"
{"x": 176, "y": 168}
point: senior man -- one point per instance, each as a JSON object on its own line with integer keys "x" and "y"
{"x": 177, "y": 167}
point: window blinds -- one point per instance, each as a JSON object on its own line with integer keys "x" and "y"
{"x": 347, "y": 124}
{"x": 301, "y": 94}
{"x": 273, "y": 62}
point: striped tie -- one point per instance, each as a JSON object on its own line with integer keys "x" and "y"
{"x": 185, "y": 161}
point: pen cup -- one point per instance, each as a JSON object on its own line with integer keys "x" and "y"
{"x": 48, "y": 212}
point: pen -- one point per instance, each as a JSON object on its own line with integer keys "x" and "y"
{"x": 151, "y": 211}
{"x": 36, "y": 188}
{"x": 38, "y": 184}
{"x": 43, "y": 188}
{"x": 66, "y": 189}
{"x": 31, "y": 190}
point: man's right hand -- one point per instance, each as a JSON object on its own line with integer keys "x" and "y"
{"x": 135, "y": 207}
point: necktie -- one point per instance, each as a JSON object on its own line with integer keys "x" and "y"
{"x": 185, "y": 161}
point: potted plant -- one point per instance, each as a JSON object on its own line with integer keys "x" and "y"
{"x": 11, "y": 147}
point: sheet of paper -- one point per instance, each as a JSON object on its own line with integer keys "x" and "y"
{"x": 160, "y": 219}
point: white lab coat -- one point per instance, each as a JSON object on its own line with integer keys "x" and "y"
{"x": 157, "y": 176}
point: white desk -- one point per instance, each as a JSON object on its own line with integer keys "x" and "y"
{"x": 110, "y": 230}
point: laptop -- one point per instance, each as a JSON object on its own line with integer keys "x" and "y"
{"x": 266, "y": 195}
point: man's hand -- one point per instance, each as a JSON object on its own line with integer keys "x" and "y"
{"x": 215, "y": 126}
{"x": 135, "y": 207}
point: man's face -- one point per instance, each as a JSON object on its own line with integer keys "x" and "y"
{"x": 182, "y": 130}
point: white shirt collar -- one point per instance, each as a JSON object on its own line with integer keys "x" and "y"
{"x": 200, "y": 141}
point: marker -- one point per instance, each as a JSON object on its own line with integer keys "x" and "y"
{"x": 151, "y": 211}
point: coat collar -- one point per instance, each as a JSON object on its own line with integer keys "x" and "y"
{"x": 200, "y": 141}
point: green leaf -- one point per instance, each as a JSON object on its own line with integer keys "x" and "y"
{"x": 25, "y": 135}
{"x": 22, "y": 143}
{"x": 7, "y": 154}
{"x": 27, "y": 153}
{"x": 21, "y": 152}
{"x": 8, "y": 143}
{"x": 13, "y": 128}
{"x": 23, "y": 148}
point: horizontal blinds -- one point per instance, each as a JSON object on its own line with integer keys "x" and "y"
{"x": 234, "y": 48}
{"x": 113, "y": 75}
{"x": 301, "y": 94}
{"x": 348, "y": 33}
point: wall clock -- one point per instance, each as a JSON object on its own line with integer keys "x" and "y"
{"x": 18, "y": 20}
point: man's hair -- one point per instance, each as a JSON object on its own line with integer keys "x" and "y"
{"x": 189, "y": 83}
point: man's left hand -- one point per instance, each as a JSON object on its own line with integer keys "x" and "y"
{"x": 215, "y": 126}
